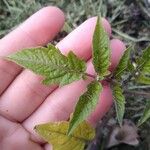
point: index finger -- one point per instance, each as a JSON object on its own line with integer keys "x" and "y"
{"x": 39, "y": 29}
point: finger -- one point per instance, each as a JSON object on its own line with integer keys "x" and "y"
{"x": 37, "y": 30}
{"x": 80, "y": 40}
{"x": 28, "y": 92}
{"x": 48, "y": 147}
{"x": 14, "y": 137}
{"x": 61, "y": 102}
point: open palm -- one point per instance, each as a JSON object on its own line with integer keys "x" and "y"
{"x": 24, "y": 101}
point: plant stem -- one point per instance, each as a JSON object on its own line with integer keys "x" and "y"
{"x": 90, "y": 75}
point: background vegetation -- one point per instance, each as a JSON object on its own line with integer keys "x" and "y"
{"x": 130, "y": 22}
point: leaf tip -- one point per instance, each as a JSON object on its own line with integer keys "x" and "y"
{"x": 139, "y": 123}
{"x": 70, "y": 130}
{"x": 120, "y": 122}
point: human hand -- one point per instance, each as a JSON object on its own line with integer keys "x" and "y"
{"x": 24, "y": 101}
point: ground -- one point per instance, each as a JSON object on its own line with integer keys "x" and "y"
{"x": 130, "y": 22}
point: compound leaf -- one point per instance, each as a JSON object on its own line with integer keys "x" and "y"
{"x": 146, "y": 114}
{"x": 50, "y": 63}
{"x": 101, "y": 50}
{"x": 144, "y": 61}
{"x": 123, "y": 64}
{"x": 87, "y": 102}
{"x": 143, "y": 79}
{"x": 56, "y": 134}
{"x": 119, "y": 101}
{"x": 144, "y": 67}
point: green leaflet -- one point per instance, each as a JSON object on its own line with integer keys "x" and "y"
{"x": 56, "y": 134}
{"x": 123, "y": 64}
{"x": 101, "y": 50}
{"x": 87, "y": 102}
{"x": 50, "y": 63}
{"x": 143, "y": 79}
{"x": 130, "y": 67}
{"x": 146, "y": 114}
{"x": 119, "y": 101}
{"x": 144, "y": 61}
{"x": 144, "y": 67}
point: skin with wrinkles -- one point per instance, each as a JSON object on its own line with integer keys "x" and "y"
{"x": 24, "y": 101}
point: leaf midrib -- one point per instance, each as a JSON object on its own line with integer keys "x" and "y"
{"x": 71, "y": 136}
{"x": 60, "y": 67}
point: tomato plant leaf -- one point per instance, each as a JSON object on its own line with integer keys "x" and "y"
{"x": 130, "y": 67}
{"x": 143, "y": 79}
{"x": 50, "y": 63}
{"x": 146, "y": 114}
{"x": 144, "y": 67}
{"x": 123, "y": 64}
{"x": 119, "y": 101}
{"x": 144, "y": 61}
{"x": 56, "y": 134}
{"x": 101, "y": 50}
{"x": 87, "y": 102}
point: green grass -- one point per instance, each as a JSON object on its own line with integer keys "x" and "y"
{"x": 129, "y": 20}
